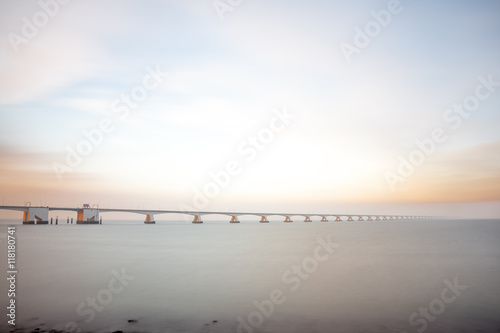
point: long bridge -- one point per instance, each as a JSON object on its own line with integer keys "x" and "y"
{"x": 91, "y": 215}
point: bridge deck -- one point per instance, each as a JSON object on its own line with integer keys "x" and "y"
{"x": 199, "y": 213}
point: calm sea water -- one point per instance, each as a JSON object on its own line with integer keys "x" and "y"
{"x": 250, "y": 277}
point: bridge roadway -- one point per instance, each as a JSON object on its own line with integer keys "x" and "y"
{"x": 89, "y": 215}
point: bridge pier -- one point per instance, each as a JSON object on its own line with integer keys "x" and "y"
{"x": 197, "y": 219}
{"x": 36, "y": 215}
{"x": 87, "y": 215}
{"x": 234, "y": 219}
{"x": 307, "y": 219}
{"x": 360, "y": 218}
{"x": 350, "y": 219}
{"x": 288, "y": 219}
{"x": 337, "y": 218}
{"x": 324, "y": 219}
{"x": 26, "y": 217}
{"x": 377, "y": 218}
{"x": 264, "y": 220}
{"x": 370, "y": 218}
{"x": 150, "y": 219}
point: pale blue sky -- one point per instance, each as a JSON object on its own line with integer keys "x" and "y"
{"x": 352, "y": 121}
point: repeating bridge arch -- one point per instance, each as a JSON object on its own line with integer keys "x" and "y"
{"x": 92, "y": 215}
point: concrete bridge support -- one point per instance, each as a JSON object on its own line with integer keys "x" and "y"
{"x": 36, "y": 215}
{"x": 324, "y": 219}
{"x": 264, "y": 220}
{"x": 197, "y": 219}
{"x": 307, "y": 219}
{"x": 87, "y": 216}
{"x": 234, "y": 219}
{"x": 150, "y": 219}
{"x": 288, "y": 219}
{"x": 337, "y": 218}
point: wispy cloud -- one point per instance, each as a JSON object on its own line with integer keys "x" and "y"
{"x": 353, "y": 120}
